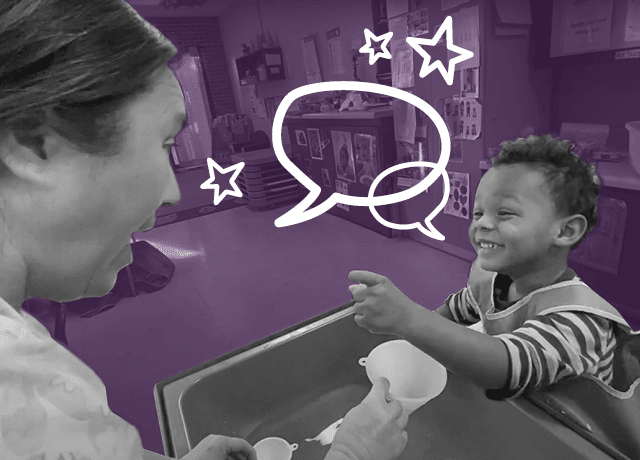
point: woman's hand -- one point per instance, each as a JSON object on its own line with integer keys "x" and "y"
{"x": 373, "y": 430}
{"x": 215, "y": 447}
{"x": 381, "y": 307}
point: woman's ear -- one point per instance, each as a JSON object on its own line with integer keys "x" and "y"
{"x": 26, "y": 157}
{"x": 572, "y": 228}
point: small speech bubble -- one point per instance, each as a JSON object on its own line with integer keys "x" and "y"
{"x": 302, "y": 212}
{"x": 428, "y": 229}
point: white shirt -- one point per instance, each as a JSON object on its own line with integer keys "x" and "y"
{"x": 52, "y": 405}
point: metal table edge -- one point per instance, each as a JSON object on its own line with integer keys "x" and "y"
{"x": 158, "y": 389}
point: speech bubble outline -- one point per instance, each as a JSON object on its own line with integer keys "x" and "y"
{"x": 302, "y": 212}
{"x": 430, "y": 230}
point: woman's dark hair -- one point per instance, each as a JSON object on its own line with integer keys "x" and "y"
{"x": 72, "y": 65}
{"x": 573, "y": 183}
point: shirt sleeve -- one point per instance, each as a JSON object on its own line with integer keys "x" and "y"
{"x": 52, "y": 406}
{"x": 556, "y": 346}
{"x": 463, "y": 308}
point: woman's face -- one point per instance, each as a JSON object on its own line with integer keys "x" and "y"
{"x": 74, "y": 235}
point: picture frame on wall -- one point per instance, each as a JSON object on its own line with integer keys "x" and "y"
{"x": 270, "y": 104}
{"x": 313, "y": 135}
{"x": 470, "y": 82}
{"x": 326, "y": 180}
{"x": 343, "y": 155}
{"x": 367, "y": 168}
{"x": 301, "y": 137}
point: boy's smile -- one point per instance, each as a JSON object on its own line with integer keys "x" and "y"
{"x": 515, "y": 221}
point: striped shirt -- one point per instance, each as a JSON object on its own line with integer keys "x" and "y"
{"x": 546, "y": 349}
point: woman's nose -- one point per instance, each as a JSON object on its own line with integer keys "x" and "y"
{"x": 172, "y": 193}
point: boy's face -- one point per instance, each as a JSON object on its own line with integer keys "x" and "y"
{"x": 514, "y": 210}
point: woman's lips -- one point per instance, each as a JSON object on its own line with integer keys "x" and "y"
{"x": 148, "y": 225}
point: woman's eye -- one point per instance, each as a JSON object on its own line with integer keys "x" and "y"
{"x": 167, "y": 148}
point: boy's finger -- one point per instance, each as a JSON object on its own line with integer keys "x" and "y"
{"x": 239, "y": 446}
{"x": 358, "y": 319}
{"x": 380, "y": 388}
{"x": 403, "y": 420}
{"x": 358, "y": 292}
{"x": 365, "y": 277}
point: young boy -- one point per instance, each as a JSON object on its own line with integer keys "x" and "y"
{"x": 536, "y": 322}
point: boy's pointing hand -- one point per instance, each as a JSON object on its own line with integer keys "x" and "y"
{"x": 381, "y": 307}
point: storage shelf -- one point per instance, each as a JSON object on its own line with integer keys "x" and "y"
{"x": 260, "y": 66}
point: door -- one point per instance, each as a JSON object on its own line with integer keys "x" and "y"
{"x": 194, "y": 143}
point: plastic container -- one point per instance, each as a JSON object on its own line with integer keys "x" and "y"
{"x": 634, "y": 144}
{"x": 415, "y": 378}
{"x": 274, "y": 449}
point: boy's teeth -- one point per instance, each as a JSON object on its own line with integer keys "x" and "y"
{"x": 489, "y": 246}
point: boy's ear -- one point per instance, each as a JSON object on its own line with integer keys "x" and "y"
{"x": 572, "y": 228}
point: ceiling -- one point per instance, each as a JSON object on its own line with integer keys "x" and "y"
{"x": 144, "y": 2}
{"x": 212, "y": 7}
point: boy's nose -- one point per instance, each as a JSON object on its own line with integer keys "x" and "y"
{"x": 484, "y": 223}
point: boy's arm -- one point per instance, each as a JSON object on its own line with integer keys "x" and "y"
{"x": 459, "y": 309}
{"x": 445, "y": 311}
{"x": 473, "y": 355}
{"x": 150, "y": 455}
{"x": 556, "y": 346}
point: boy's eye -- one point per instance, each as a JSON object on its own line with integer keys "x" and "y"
{"x": 167, "y": 148}
{"x": 477, "y": 214}
{"x": 505, "y": 213}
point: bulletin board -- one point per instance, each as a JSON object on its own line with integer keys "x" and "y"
{"x": 559, "y": 28}
{"x": 594, "y": 25}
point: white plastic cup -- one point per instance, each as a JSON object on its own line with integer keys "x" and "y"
{"x": 274, "y": 449}
{"x": 415, "y": 378}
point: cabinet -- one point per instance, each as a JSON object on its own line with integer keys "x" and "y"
{"x": 608, "y": 261}
{"x": 320, "y": 141}
{"x": 262, "y": 65}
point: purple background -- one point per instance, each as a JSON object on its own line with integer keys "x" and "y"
{"x": 239, "y": 278}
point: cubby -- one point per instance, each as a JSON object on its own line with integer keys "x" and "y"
{"x": 262, "y": 65}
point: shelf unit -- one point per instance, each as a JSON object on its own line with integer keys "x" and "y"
{"x": 262, "y": 65}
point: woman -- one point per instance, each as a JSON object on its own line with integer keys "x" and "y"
{"x": 88, "y": 111}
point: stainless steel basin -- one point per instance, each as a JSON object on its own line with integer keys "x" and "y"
{"x": 296, "y": 383}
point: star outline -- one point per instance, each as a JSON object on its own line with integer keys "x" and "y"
{"x": 427, "y": 68}
{"x": 373, "y": 56}
{"x": 209, "y": 183}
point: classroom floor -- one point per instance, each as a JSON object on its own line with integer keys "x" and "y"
{"x": 238, "y": 279}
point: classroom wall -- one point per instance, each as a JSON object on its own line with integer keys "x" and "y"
{"x": 599, "y": 93}
{"x": 517, "y": 96}
{"x": 204, "y": 33}
{"x": 290, "y": 21}
{"x": 513, "y": 95}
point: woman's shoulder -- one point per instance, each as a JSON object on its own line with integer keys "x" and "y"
{"x": 45, "y": 387}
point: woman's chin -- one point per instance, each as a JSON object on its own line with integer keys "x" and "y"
{"x": 101, "y": 286}
{"x": 99, "y": 291}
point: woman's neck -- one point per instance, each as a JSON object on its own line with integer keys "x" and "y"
{"x": 13, "y": 275}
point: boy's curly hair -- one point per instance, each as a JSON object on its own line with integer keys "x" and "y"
{"x": 574, "y": 184}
